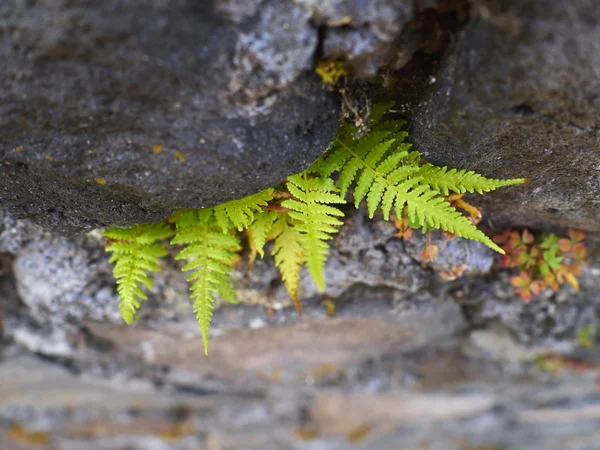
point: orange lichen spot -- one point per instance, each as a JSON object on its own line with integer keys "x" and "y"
{"x": 330, "y": 71}
{"x": 156, "y": 149}
{"x": 19, "y": 148}
{"x": 323, "y": 371}
{"x": 100, "y": 181}
{"x": 48, "y": 157}
{"x": 358, "y": 433}
{"x": 329, "y": 307}
{"x": 175, "y": 432}
{"x": 306, "y": 433}
{"x": 275, "y": 374}
{"x": 180, "y": 156}
{"x": 19, "y": 434}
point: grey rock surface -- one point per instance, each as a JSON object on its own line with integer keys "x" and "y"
{"x": 398, "y": 353}
{"x": 410, "y": 358}
{"x": 517, "y": 95}
{"x": 147, "y": 107}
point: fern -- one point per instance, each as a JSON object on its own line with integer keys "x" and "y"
{"x": 316, "y": 219}
{"x": 380, "y": 166}
{"x": 135, "y": 253}
{"x": 209, "y": 254}
{"x": 388, "y": 174}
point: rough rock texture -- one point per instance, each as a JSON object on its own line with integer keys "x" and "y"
{"x": 396, "y": 354}
{"x": 146, "y": 107}
{"x": 411, "y": 359}
{"x": 518, "y": 95}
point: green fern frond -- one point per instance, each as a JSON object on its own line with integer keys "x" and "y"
{"x": 135, "y": 253}
{"x": 460, "y": 181}
{"x": 209, "y": 254}
{"x": 386, "y": 172}
{"x": 317, "y": 219}
{"x": 289, "y": 255}
{"x": 258, "y": 232}
{"x": 375, "y": 161}
{"x": 240, "y": 213}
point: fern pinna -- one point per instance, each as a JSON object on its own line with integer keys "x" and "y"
{"x": 287, "y": 253}
{"x": 135, "y": 253}
{"x": 210, "y": 255}
{"x": 300, "y": 216}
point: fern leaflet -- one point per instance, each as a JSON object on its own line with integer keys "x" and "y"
{"x": 209, "y": 254}
{"x": 443, "y": 180}
{"x": 317, "y": 219}
{"x": 135, "y": 253}
{"x": 258, "y": 232}
{"x": 240, "y": 213}
{"x": 288, "y": 254}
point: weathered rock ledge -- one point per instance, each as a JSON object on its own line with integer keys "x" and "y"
{"x": 117, "y": 112}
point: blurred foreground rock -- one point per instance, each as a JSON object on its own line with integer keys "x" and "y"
{"x": 408, "y": 359}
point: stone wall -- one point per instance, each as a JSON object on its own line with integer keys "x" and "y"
{"x": 117, "y": 112}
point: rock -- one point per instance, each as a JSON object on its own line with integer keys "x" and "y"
{"x": 118, "y": 113}
{"x": 15, "y": 234}
{"x": 455, "y": 256}
{"x": 518, "y": 95}
{"x": 359, "y": 32}
{"x": 65, "y": 280}
{"x": 549, "y": 320}
{"x": 365, "y": 253}
{"x": 391, "y": 355}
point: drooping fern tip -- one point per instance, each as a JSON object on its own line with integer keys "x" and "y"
{"x": 135, "y": 253}
{"x": 300, "y": 216}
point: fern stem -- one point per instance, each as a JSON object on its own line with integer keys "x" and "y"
{"x": 277, "y": 208}
{"x": 283, "y": 194}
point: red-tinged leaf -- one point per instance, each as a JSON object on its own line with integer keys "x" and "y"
{"x": 515, "y": 259}
{"x": 506, "y": 260}
{"x": 514, "y": 241}
{"x": 537, "y": 287}
{"x": 525, "y": 295}
{"x": 502, "y": 238}
{"x": 521, "y": 280}
{"x": 527, "y": 237}
{"x": 565, "y": 245}
{"x": 574, "y": 269}
{"x": 579, "y": 252}
{"x": 576, "y": 235}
